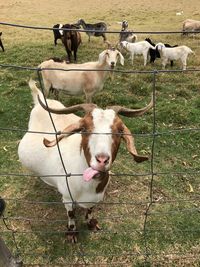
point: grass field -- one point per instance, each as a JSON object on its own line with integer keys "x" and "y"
{"x": 34, "y": 210}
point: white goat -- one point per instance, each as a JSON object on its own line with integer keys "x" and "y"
{"x": 88, "y": 156}
{"x": 80, "y": 81}
{"x": 174, "y": 53}
{"x": 191, "y": 25}
{"x": 138, "y": 48}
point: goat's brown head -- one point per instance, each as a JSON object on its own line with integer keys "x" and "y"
{"x": 101, "y": 131}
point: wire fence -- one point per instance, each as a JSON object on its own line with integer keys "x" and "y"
{"x": 19, "y": 231}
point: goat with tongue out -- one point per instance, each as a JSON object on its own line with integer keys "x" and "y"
{"x": 88, "y": 146}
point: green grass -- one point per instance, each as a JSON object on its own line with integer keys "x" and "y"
{"x": 172, "y": 230}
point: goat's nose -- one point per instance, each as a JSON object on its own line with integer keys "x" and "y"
{"x": 112, "y": 64}
{"x": 102, "y": 159}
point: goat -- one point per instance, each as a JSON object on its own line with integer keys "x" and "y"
{"x": 138, "y": 48}
{"x": 88, "y": 156}
{"x": 154, "y": 53}
{"x": 96, "y": 29}
{"x": 57, "y": 32}
{"x": 174, "y": 53}
{"x": 191, "y": 25}
{"x": 71, "y": 40}
{"x": 82, "y": 81}
{"x": 1, "y": 44}
{"x": 126, "y": 35}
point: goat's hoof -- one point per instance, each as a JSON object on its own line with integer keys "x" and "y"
{"x": 72, "y": 235}
{"x": 93, "y": 225}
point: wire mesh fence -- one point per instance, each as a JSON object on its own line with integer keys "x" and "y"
{"x": 150, "y": 231}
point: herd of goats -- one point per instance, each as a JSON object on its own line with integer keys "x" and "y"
{"x": 90, "y": 82}
{"x": 87, "y": 145}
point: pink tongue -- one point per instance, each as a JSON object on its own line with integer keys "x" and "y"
{"x": 89, "y": 173}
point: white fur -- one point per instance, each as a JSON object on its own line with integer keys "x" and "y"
{"x": 174, "y": 53}
{"x": 80, "y": 82}
{"x": 60, "y": 31}
{"x": 138, "y": 48}
{"x": 103, "y": 120}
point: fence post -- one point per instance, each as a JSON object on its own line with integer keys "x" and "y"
{"x": 6, "y": 258}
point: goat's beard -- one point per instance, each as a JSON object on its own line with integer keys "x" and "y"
{"x": 111, "y": 74}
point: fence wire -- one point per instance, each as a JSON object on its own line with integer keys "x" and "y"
{"x": 84, "y": 258}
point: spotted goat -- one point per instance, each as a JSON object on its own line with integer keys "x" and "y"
{"x": 87, "y": 156}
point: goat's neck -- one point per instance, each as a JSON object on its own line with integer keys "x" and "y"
{"x": 83, "y": 24}
{"x": 103, "y": 67}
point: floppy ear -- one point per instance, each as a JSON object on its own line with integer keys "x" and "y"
{"x": 121, "y": 58}
{"x": 102, "y": 56}
{"x": 131, "y": 146}
{"x": 71, "y": 129}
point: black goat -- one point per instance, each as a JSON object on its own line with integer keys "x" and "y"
{"x": 1, "y": 44}
{"x": 155, "y": 53}
{"x": 57, "y": 32}
{"x": 96, "y": 29}
{"x": 71, "y": 40}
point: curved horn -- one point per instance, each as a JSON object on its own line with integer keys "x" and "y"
{"x": 132, "y": 112}
{"x": 66, "y": 110}
{"x": 108, "y": 43}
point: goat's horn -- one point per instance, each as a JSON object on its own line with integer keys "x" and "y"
{"x": 67, "y": 110}
{"x": 132, "y": 112}
{"x": 108, "y": 43}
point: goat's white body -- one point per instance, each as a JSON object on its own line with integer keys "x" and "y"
{"x": 46, "y": 161}
{"x": 174, "y": 53}
{"x": 138, "y": 48}
{"x": 73, "y": 82}
{"x": 83, "y": 81}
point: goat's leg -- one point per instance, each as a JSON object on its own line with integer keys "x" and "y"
{"x": 164, "y": 62}
{"x": 104, "y": 37}
{"x": 47, "y": 87}
{"x": 145, "y": 59}
{"x": 1, "y": 44}
{"x": 72, "y": 232}
{"x": 184, "y": 63}
{"x": 91, "y": 222}
{"x": 132, "y": 58}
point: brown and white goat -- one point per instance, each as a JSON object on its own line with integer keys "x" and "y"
{"x": 87, "y": 156}
{"x": 86, "y": 78}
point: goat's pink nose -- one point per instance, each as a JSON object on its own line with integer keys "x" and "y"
{"x": 102, "y": 159}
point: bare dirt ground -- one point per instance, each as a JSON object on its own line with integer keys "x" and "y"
{"x": 141, "y": 14}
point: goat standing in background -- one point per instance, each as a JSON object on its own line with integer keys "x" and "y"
{"x": 126, "y": 35}
{"x": 154, "y": 53}
{"x": 71, "y": 40}
{"x": 1, "y": 44}
{"x": 138, "y": 48}
{"x": 95, "y": 29}
{"x": 87, "y": 156}
{"x": 174, "y": 53}
{"x": 57, "y": 32}
{"x": 82, "y": 81}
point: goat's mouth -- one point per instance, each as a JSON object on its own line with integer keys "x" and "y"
{"x": 91, "y": 173}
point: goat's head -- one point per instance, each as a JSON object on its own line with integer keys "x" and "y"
{"x": 102, "y": 131}
{"x": 110, "y": 57}
{"x": 124, "y": 24}
{"x": 160, "y": 46}
{"x": 123, "y": 44}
